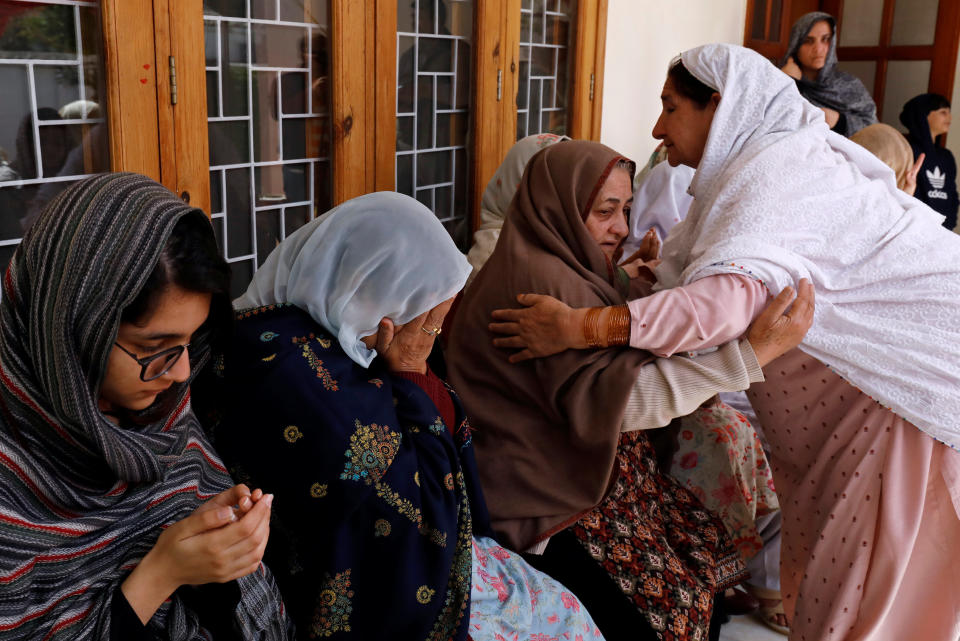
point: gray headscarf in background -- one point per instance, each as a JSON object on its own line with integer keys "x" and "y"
{"x": 833, "y": 89}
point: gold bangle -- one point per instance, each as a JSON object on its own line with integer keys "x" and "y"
{"x": 591, "y": 327}
{"x": 618, "y": 326}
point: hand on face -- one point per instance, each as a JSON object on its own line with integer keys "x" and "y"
{"x": 405, "y": 348}
{"x": 792, "y": 69}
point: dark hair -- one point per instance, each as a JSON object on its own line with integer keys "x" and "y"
{"x": 688, "y": 86}
{"x": 190, "y": 260}
{"x": 936, "y": 101}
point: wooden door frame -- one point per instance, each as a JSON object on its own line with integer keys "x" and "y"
{"x": 789, "y": 12}
{"x": 496, "y": 43}
{"x": 586, "y": 105}
{"x": 942, "y": 54}
{"x": 148, "y": 133}
{"x": 496, "y": 36}
{"x": 130, "y": 57}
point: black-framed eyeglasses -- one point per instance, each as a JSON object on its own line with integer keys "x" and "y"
{"x": 156, "y": 365}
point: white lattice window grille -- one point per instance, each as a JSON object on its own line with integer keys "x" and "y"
{"x": 52, "y": 129}
{"x": 268, "y": 122}
{"x": 546, "y": 32}
{"x": 433, "y": 89}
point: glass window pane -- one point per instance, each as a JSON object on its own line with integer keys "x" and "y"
{"x": 225, "y": 8}
{"x": 43, "y": 32}
{"x": 293, "y": 92}
{"x": 406, "y": 16}
{"x": 862, "y": 20}
{"x": 58, "y": 87}
{"x": 269, "y": 233}
{"x": 210, "y": 43}
{"x": 55, "y": 135}
{"x": 296, "y": 217}
{"x": 433, "y": 89}
{"x": 279, "y": 45}
{"x": 263, "y": 10}
{"x": 269, "y": 90}
{"x": 905, "y": 79}
{"x": 229, "y": 142}
{"x": 914, "y": 22}
{"x": 545, "y": 68}
{"x": 233, "y": 68}
{"x": 213, "y": 94}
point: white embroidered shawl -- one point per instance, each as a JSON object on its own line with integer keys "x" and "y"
{"x": 780, "y": 197}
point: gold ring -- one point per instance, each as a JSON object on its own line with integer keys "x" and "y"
{"x": 431, "y": 332}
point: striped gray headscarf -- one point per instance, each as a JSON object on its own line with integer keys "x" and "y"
{"x": 82, "y": 499}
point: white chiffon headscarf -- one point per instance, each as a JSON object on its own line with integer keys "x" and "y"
{"x": 500, "y": 192}
{"x": 379, "y": 255}
{"x": 779, "y": 197}
{"x": 659, "y": 202}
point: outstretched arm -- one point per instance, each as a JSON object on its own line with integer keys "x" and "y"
{"x": 703, "y": 314}
{"x": 670, "y": 387}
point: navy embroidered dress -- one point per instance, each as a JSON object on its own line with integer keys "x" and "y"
{"x": 375, "y": 504}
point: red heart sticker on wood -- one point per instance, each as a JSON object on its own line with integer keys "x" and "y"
{"x": 143, "y": 81}
{"x": 147, "y": 66}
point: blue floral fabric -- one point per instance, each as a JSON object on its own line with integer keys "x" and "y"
{"x": 376, "y": 500}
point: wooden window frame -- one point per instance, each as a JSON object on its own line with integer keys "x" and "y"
{"x": 169, "y": 143}
{"x": 496, "y": 39}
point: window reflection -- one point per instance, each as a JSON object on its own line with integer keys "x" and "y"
{"x": 52, "y": 122}
{"x": 433, "y": 89}
{"x": 269, "y": 124}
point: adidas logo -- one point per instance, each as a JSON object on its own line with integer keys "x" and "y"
{"x": 936, "y": 178}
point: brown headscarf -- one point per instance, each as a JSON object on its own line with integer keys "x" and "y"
{"x": 890, "y": 146}
{"x": 546, "y": 430}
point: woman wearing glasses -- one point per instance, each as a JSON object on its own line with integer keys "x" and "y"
{"x": 117, "y": 519}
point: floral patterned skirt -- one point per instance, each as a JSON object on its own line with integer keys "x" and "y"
{"x": 512, "y": 601}
{"x": 668, "y": 553}
{"x": 721, "y": 460}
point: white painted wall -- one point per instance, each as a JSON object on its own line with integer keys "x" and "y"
{"x": 642, "y": 37}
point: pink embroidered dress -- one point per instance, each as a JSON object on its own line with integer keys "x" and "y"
{"x": 870, "y": 535}
{"x": 870, "y": 497}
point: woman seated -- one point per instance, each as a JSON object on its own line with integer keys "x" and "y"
{"x": 380, "y": 529}
{"x": 568, "y": 471}
{"x": 811, "y": 60}
{"x": 119, "y": 521}
{"x": 719, "y": 457}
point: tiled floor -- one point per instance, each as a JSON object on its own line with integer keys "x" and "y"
{"x": 746, "y": 628}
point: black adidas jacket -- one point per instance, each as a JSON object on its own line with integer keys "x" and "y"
{"x": 937, "y": 180}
